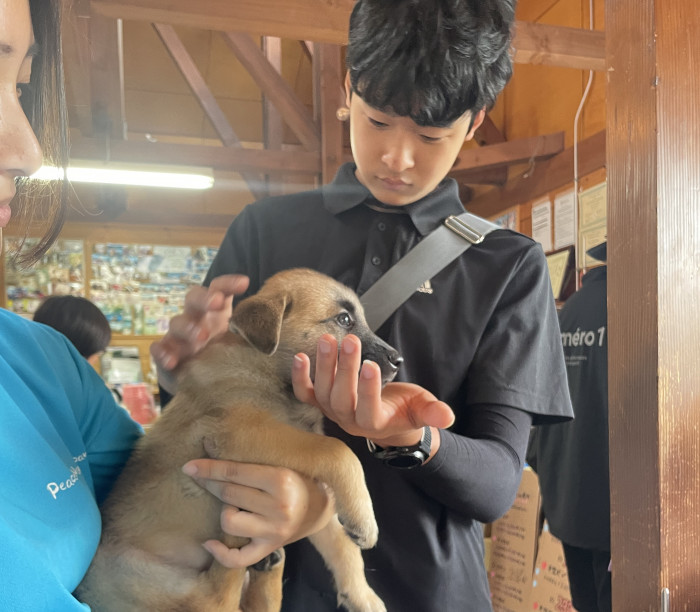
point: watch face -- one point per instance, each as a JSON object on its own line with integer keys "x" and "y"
{"x": 406, "y": 461}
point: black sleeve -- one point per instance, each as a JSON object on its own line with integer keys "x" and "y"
{"x": 478, "y": 474}
{"x": 164, "y": 396}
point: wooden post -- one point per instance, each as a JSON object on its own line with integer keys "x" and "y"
{"x": 329, "y": 75}
{"x": 653, "y": 155}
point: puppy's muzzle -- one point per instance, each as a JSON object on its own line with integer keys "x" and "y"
{"x": 385, "y": 356}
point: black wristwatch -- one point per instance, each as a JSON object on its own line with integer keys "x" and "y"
{"x": 404, "y": 457}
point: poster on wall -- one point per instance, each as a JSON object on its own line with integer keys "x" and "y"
{"x": 542, "y": 224}
{"x": 59, "y": 272}
{"x": 140, "y": 287}
{"x": 564, "y": 220}
{"x": 593, "y": 223}
{"x": 508, "y": 219}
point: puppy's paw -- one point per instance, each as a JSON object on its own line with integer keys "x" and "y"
{"x": 365, "y": 534}
{"x": 273, "y": 559}
{"x": 365, "y": 601}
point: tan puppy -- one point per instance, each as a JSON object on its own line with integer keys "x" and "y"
{"x": 236, "y": 398}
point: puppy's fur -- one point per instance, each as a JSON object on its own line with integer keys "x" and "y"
{"x": 235, "y": 401}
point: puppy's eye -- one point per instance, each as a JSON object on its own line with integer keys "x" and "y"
{"x": 344, "y": 320}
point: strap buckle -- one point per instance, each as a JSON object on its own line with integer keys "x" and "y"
{"x": 460, "y": 228}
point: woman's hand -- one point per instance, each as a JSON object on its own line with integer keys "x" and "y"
{"x": 272, "y": 506}
{"x": 351, "y": 394}
{"x": 206, "y": 315}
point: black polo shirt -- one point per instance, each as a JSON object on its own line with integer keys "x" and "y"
{"x": 483, "y": 332}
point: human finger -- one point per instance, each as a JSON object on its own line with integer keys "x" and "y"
{"x": 415, "y": 405}
{"x": 370, "y": 414}
{"x": 343, "y": 398}
{"x": 218, "y": 296}
{"x": 206, "y": 313}
{"x": 324, "y": 375}
{"x": 238, "y": 558}
{"x": 247, "y": 474}
{"x": 281, "y": 496}
{"x": 230, "y": 284}
{"x": 302, "y": 384}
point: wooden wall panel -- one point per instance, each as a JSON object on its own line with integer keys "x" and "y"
{"x": 544, "y": 99}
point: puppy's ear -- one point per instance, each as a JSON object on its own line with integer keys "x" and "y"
{"x": 259, "y": 320}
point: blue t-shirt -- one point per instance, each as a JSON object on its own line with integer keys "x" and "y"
{"x": 63, "y": 440}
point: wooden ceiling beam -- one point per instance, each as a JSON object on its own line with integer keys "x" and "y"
{"x": 291, "y": 19}
{"x": 523, "y": 150}
{"x": 327, "y": 22}
{"x": 480, "y": 176}
{"x": 205, "y": 97}
{"x": 275, "y": 88}
{"x": 487, "y": 133}
{"x": 196, "y": 82}
{"x": 230, "y": 159}
{"x": 107, "y": 76}
{"x": 546, "y": 176}
{"x": 273, "y": 128}
{"x": 95, "y": 82}
{"x": 76, "y": 55}
{"x": 538, "y": 43}
{"x": 327, "y": 82}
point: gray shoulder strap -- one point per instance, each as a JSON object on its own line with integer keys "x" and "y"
{"x": 422, "y": 263}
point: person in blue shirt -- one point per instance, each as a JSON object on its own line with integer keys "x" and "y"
{"x": 63, "y": 440}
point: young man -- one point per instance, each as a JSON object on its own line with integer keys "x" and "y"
{"x": 482, "y": 335}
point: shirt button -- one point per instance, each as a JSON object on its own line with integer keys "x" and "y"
{"x": 381, "y": 226}
{"x": 376, "y": 260}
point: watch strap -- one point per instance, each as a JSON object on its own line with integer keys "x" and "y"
{"x": 404, "y": 457}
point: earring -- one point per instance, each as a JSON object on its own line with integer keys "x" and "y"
{"x": 343, "y": 113}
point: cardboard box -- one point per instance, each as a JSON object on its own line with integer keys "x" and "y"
{"x": 513, "y": 548}
{"x": 550, "y": 583}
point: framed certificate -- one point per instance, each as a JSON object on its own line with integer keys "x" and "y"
{"x": 562, "y": 272}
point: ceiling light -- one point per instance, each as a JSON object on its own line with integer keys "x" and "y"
{"x": 143, "y": 175}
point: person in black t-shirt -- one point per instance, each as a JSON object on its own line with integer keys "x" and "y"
{"x": 571, "y": 459}
{"x": 480, "y": 339}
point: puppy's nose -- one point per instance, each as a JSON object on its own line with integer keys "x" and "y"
{"x": 395, "y": 361}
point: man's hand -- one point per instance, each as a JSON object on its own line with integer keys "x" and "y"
{"x": 206, "y": 315}
{"x": 272, "y": 506}
{"x": 351, "y": 394}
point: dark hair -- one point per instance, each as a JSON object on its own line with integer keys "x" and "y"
{"x": 46, "y": 111}
{"x": 431, "y": 60}
{"x": 79, "y": 320}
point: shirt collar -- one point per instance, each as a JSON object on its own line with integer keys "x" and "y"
{"x": 593, "y": 274}
{"x": 346, "y": 192}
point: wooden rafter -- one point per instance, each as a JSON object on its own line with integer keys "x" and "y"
{"x": 274, "y": 88}
{"x": 273, "y": 129}
{"x": 543, "y": 178}
{"x": 328, "y": 78}
{"x": 76, "y": 54}
{"x": 483, "y": 176}
{"x": 230, "y": 159}
{"x": 488, "y": 133}
{"x": 204, "y": 95}
{"x": 196, "y": 82}
{"x": 537, "y": 43}
{"x": 107, "y": 76}
{"x": 328, "y": 22}
{"x": 537, "y": 148}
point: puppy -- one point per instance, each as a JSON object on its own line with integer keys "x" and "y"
{"x": 235, "y": 401}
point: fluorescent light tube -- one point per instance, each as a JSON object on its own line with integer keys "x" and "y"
{"x": 120, "y": 175}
